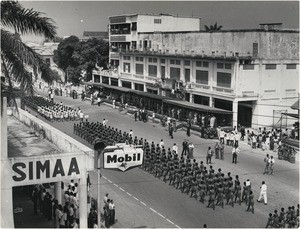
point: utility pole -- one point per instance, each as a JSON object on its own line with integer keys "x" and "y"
{"x": 98, "y": 147}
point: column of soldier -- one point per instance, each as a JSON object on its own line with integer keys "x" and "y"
{"x": 52, "y": 111}
{"x": 186, "y": 175}
{"x": 288, "y": 218}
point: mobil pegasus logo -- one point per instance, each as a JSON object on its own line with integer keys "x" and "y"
{"x": 123, "y": 157}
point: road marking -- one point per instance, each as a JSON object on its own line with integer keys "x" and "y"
{"x": 161, "y": 215}
{"x": 109, "y": 181}
{"x": 128, "y": 193}
{"x": 153, "y": 210}
{"x": 170, "y": 221}
{"x": 122, "y": 189}
{"x": 104, "y": 177}
{"x": 135, "y": 198}
{"x": 143, "y": 203}
{"x": 116, "y": 185}
{"x": 176, "y": 226}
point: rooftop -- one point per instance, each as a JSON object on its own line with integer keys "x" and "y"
{"x": 154, "y": 15}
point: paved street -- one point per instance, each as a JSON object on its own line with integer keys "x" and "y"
{"x": 144, "y": 201}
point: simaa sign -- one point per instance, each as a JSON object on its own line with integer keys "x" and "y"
{"x": 45, "y": 170}
{"x": 122, "y": 157}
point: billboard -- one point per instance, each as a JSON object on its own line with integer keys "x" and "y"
{"x": 122, "y": 156}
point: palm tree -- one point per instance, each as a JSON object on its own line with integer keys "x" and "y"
{"x": 214, "y": 27}
{"x": 16, "y": 56}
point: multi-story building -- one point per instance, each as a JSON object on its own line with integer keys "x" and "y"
{"x": 254, "y": 73}
{"x": 124, "y": 30}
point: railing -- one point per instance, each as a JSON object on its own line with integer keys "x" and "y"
{"x": 223, "y": 89}
{"x": 138, "y": 76}
{"x": 202, "y": 86}
{"x": 126, "y": 75}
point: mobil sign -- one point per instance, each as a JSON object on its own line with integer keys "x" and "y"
{"x": 122, "y": 156}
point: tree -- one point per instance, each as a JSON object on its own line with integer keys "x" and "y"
{"x": 15, "y": 55}
{"x": 74, "y": 56}
{"x": 214, "y": 27}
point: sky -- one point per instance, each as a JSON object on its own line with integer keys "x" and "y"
{"x": 74, "y": 17}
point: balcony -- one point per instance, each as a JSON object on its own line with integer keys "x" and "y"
{"x": 223, "y": 89}
{"x": 109, "y": 73}
{"x": 126, "y": 75}
{"x": 139, "y": 76}
{"x": 201, "y": 86}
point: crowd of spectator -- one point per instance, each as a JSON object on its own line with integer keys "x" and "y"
{"x": 63, "y": 216}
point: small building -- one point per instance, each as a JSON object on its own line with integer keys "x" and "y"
{"x": 95, "y": 34}
{"x": 124, "y": 30}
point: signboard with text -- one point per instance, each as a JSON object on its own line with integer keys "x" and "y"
{"x": 52, "y": 168}
{"x": 122, "y": 157}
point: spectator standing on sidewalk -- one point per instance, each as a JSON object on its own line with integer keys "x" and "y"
{"x": 111, "y": 207}
{"x": 271, "y": 164}
{"x": 221, "y": 148}
{"x": 191, "y": 150}
{"x": 209, "y": 155}
{"x": 266, "y": 160}
{"x": 263, "y": 193}
{"x": 235, "y": 152}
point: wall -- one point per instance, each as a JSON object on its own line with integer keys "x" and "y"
{"x": 145, "y": 23}
{"x": 271, "y": 45}
{"x": 65, "y": 143}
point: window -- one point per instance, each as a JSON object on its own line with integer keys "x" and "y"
{"x": 163, "y": 61}
{"x": 114, "y": 82}
{"x": 255, "y": 49}
{"x": 227, "y": 66}
{"x": 163, "y": 72}
{"x": 47, "y": 61}
{"x": 175, "y": 73}
{"x": 105, "y": 80}
{"x": 157, "y": 21}
{"x": 152, "y": 60}
{"x": 223, "y": 79}
{"x": 187, "y": 73}
{"x": 126, "y": 67}
{"x": 152, "y": 70}
{"x": 201, "y": 77}
{"x": 141, "y": 44}
{"x": 199, "y": 63}
{"x": 248, "y": 67}
{"x": 134, "y": 26}
{"x": 138, "y": 58}
{"x": 126, "y": 58}
{"x": 150, "y": 44}
{"x": 220, "y": 65}
{"x": 175, "y": 62}
{"x": 205, "y": 64}
{"x": 96, "y": 78}
{"x": 291, "y": 66}
{"x": 133, "y": 45}
{"x": 126, "y": 84}
{"x": 270, "y": 66}
{"x": 139, "y": 69}
{"x": 187, "y": 63}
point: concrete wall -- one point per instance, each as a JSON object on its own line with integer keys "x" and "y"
{"x": 65, "y": 143}
{"x": 271, "y": 45}
{"x": 145, "y": 23}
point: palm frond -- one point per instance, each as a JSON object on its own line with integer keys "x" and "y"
{"x": 13, "y": 48}
{"x": 26, "y": 21}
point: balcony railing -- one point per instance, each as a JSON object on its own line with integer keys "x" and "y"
{"x": 201, "y": 86}
{"x": 126, "y": 75}
{"x": 223, "y": 89}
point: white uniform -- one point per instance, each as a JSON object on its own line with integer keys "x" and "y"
{"x": 263, "y": 193}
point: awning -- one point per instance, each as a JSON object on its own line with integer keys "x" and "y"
{"x": 198, "y": 107}
{"x": 150, "y": 95}
{"x": 123, "y": 89}
{"x": 295, "y": 106}
{"x": 291, "y": 115}
{"x": 291, "y": 142}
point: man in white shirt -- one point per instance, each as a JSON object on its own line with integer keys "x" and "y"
{"x": 161, "y": 144}
{"x": 235, "y": 152}
{"x": 131, "y": 133}
{"x": 175, "y": 149}
{"x": 104, "y": 122}
{"x": 222, "y": 135}
{"x": 263, "y": 193}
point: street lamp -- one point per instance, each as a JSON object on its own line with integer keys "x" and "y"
{"x": 98, "y": 147}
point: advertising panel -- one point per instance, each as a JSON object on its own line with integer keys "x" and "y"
{"x": 53, "y": 168}
{"x": 122, "y": 157}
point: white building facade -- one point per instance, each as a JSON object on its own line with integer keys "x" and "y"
{"x": 253, "y": 73}
{"x": 124, "y": 29}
